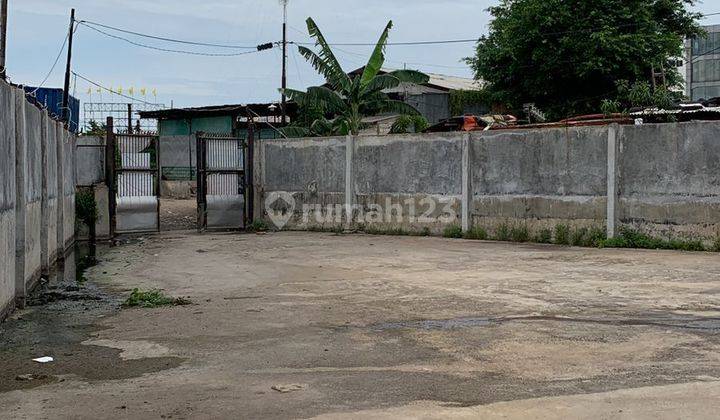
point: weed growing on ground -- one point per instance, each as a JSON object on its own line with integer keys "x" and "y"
{"x": 519, "y": 234}
{"x": 258, "y": 225}
{"x": 502, "y": 233}
{"x": 453, "y": 231}
{"x": 476, "y": 233}
{"x": 562, "y": 235}
{"x": 716, "y": 245}
{"x": 387, "y": 231}
{"x": 630, "y": 238}
{"x": 544, "y": 236}
{"x": 152, "y": 299}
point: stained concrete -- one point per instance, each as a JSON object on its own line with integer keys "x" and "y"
{"x": 7, "y": 199}
{"x": 382, "y": 327}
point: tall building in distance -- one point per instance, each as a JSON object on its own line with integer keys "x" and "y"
{"x": 702, "y": 71}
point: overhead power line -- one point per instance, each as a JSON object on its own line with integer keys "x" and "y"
{"x": 160, "y": 38}
{"x": 55, "y": 63}
{"x": 138, "y": 44}
{"x": 110, "y": 90}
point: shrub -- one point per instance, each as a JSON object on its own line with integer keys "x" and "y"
{"x": 519, "y": 234}
{"x": 86, "y": 210}
{"x": 630, "y": 238}
{"x": 502, "y": 233}
{"x": 562, "y": 235}
{"x": 716, "y": 245}
{"x": 544, "y": 236}
{"x": 453, "y": 231}
{"x": 477, "y": 233}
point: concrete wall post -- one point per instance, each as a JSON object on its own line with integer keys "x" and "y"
{"x": 466, "y": 187}
{"x": 612, "y": 180}
{"x": 21, "y": 199}
{"x": 349, "y": 179}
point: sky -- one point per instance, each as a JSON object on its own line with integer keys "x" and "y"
{"x": 37, "y": 29}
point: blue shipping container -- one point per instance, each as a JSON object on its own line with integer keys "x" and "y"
{"x": 51, "y": 98}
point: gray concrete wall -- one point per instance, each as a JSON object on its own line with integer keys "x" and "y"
{"x": 7, "y": 199}
{"x": 664, "y": 179}
{"x": 37, "y": 189}
{"x": 90, "y": 160}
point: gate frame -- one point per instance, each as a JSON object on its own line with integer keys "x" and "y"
{"x": 202, "y": 173}
{"x": 112, "y": 172}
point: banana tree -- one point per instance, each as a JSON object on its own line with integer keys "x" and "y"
{"x": 349, "y": 98}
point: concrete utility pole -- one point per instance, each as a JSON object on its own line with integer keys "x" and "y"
{"x": 3, "y": 37}
{"x": 66, "y": 89}
{"x": 284, "y": 61}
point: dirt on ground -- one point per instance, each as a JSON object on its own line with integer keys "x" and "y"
{"x": 178, "y": 214}
{"x": 301, "y": 325}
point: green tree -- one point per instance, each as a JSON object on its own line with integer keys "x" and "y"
{"x": 567, "y": 55}
{"x": 348, "y": 98}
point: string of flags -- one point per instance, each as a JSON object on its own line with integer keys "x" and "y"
{"x": 131, "y": 91}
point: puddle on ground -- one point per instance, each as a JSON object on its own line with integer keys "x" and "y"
{"x": 434, "y": 324}
{"x": 708, "y": 324}
{"x": 61, "y": 314}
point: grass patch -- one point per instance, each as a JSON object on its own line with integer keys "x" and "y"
{"x": 562, "y": 235}
{"x": 476, "y": 233}
{"x": 630, "y": 238}
{"x": 519, "y": 234}
{"x": 502, "y": 233}
{"x": 152, "y": 299}
{"x": 386, "y": 231}
{"x": 453, "y": 231}
{"x": 544, "y": 236}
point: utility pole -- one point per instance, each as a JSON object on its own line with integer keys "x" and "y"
{"x": 66, "y": 89}
{"x": 3, "y": 37}
{"x": 284, "y": 62}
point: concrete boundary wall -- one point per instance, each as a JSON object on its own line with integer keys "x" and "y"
{"x": 37, "y": 195}
{"x": 663, "y": 179}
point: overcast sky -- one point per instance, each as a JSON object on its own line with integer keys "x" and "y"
{"x": 37, "y": 29}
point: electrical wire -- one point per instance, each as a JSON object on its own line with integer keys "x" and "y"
{"x": 55, "y": 63}
{"x": 111, "y": 91}
{"x": 168, "y": 49}
{"x": 160, "y": 38}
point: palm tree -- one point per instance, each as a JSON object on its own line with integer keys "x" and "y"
{"x": 349, "y": 98}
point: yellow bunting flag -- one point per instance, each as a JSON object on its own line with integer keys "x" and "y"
{"x": 120, "y": 90}
{"x": 131, "y": 91}
{"x": 154, "y": 92}
{"x": 143, "y": 91}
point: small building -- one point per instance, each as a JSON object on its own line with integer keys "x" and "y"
{"x": 702, "y": 68}
{"x": 177, "y": 129}
{"x": 436, "y": 99}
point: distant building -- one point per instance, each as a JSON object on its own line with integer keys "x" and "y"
{"x": 432, "y": 99}
{"x": 51, "y": 99}
{"x": 702, "y": 70}
{"x": 177, "y": 129}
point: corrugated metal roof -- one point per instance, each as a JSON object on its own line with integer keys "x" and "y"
{"x": 446, "y": 82}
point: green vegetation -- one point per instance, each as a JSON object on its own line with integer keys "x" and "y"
{"x": 86, "y": 210}
{"x": 152, "y": 299}
{"x": 586, "y": 46}
{"x": 258, "y": 225}
{"x": 519, "y": 234}
{"x": 562, "y": 235}
{"x": 476, "y": 233}
{"x": 460, "y": 100}
{"x": 544, "y": 236}
{"x": 630, "y": 238}
{"x": 348, "y": 98}
{"x": 94, "y": 129}
{"x": 716, "y": 245}
{"x": 453, "y": 231}
{"x": 409, "y": 124}
{"x": 502, "y": 233}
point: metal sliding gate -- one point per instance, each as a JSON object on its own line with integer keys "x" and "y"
{"x": 221, "y": 181}
{"x": 137, "y": 183}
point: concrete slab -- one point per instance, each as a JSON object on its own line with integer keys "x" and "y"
{"x": 363, "y": 326}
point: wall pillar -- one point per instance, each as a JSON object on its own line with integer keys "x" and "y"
{"x": 349, "y": 180}
{"x": 612, "y": 180}
{"x": 466, "y": 188}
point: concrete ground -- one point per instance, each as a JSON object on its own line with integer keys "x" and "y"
{"x": 178, "y": 214}
{"x": 301, "y": 325}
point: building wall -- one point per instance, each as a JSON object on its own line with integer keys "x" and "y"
{"x": 36, "y": 174}
{"x": 663, "y": 179}
{"x": 703, "y": 68}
